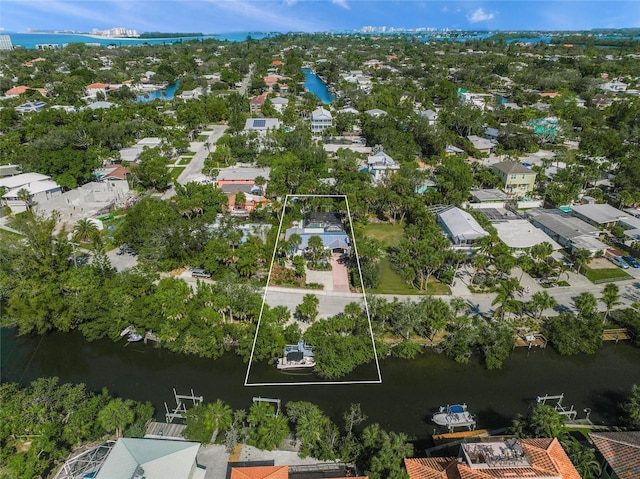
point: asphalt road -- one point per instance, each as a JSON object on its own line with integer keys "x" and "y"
{"x": 193, "y": 171}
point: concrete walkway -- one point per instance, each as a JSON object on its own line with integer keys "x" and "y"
{"x": 340, "y": 275}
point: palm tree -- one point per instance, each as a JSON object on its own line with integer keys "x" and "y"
{"x": 116, "y": 415}
{"x": 24, "y": 195}
{"x": 506, "y": 295}
{"x": 610, "y": 297}
{"x": 85, "y": 230}
{"x": 585, "y": 303}
{"x": 581, "y": 258}
{"x": 219, "y": 417}
{"x": 541, "y": 301}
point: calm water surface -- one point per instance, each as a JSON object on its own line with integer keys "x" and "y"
{"x": 410, "y": 392}
{"x": 315, "y": 85}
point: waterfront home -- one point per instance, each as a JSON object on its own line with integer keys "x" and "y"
{"x": 94, "y": 89}
{"x": 380, "y": 165}
{"x": 151, "y": 459}
{"x": 515, "y": 178}
{"x": 321, "y": 119}
{"x": 98, "y": 105}
{"x": 614, "y": 86}
{"x": 618, "y": 453}
{"x": 461, "y": 228}
{"x": 498, "y": 458}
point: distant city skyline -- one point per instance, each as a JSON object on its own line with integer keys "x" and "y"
{"x": 222, "y": 16}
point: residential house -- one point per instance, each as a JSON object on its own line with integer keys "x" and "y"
{"x": 261, "y": 124}
{"x": 239, "y": 178}
{"x": 479, "y": 100}
{"x": 482, "y": 144}
{"x": 376, "y": 112}
{"x": 430, "y": 115}
{"x": 152, "y": 459}
{"x": 521, "y": 235}
{"x": 31, "y": 106}
{"x": 37, "y": 187}
{"x": 516, "y": 179}
{"x": 491, "y": 134}
{"x": 602, "y": 215}
{"x": 191, "y": 94}
{"x": 267, "y": 470}
{"x": 252, "y": 202}
{"x": 614, "y": 86}
{"x": 570, "y": 232}
{"x": 280, "y": 104}
{"x": 97, "y": 88}
{"x": 498, "y": 458}
{"x": 601, "y": 101}
{"x": 381, "y": 165}
{"x": 98, "y": 105}
{"x": 452, "y": 150}
{"x": 461, "y": 228}
{"x": 132, "y": 153}
{"x": 255, "y": 104}
{"x": 349, "y": 110}
{"x": 327, "y": 226}
{"x": 321, "y": 119}
{"x": 619, "y": 453}
{"x": 21, "y": 89}
{"x": 491, "y": 197}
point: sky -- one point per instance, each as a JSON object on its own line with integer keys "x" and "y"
{"x": 224, "y": 16}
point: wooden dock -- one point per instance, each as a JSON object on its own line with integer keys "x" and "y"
{"x": 530, "y": 340}
{"x": 164, "y": 430}
{"x": 619, "y": 334}
{"x": 456, "y": 436}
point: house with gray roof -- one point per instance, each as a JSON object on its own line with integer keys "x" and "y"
{"x": 376, "y": 112}
{"x": 570, "y": 232}
{"x": 461, "y": 228}
{"x": 481, "y": 144}
{"x": 381, "y": 165}
{"x": 618, "y": 452}
{"x": 602, "y": 215}
{"x": 152, "y": 459}
{"x": 321, "y": 119}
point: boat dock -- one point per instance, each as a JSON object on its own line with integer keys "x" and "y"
{"x": 619, "y": 334}
{"x": 163, "y": 430}
{"x": 447, "y": 438}
{"x": 531, "y": 340}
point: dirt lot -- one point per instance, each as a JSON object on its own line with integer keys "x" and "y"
{"x": 601, "y": 263}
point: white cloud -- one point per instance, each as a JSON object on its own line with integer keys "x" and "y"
{"x": 341, "y": 3}
{"x": 290, "y": 3}
{"x": 444, "y": 9}
{"x": 480, "y": 15}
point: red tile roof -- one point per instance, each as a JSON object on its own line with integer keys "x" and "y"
{"x": 546, "y": 456}
{"x": 98, "y": 85}
{"x": 260, "y": 472}
{"x": 20, "y": 89}
{"x": 277, "y": 62}
{"x": 621, "y": 450}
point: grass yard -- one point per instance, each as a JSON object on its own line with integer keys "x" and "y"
{"x": 185, "y": 160}
{"x": 392, "y": 283}
{"x": 175, "y": 172}
{"x": 604, "y": 274}
{"x": 189, "y": 153}
{"x": 202, "y": 137}
{"x": 387, "y": 233}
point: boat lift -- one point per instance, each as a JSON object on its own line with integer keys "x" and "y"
{"x": 181, "y": 408}
{"x": 569, "y": 413}
{"x": 269, "y": 400}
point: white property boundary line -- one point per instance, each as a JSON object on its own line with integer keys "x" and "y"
{"x": 264, "y": 298}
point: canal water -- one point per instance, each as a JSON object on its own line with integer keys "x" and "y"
{"x": 411, "y": 390}
{"x": 163, "y": 94}
{"x": 315, "y": 85}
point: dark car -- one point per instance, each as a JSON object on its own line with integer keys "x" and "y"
{"x": 632, "y": 261}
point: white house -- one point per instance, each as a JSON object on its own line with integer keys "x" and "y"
{"x": 279, "y": 103}
{"x": 461, "y": 228}
{"x": 614, "y": 86}
{"x": 381, "y": 165}
{"x": 430, "y": 115}
{"x": 321, "y": 119}
{"x": 376, "y": 112}
{"x": 261, "y": 124}
{"x": 94, "y": 88}
{"x": 39, "y": 188}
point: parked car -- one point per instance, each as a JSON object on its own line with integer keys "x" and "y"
{"x": 617, "y": 260}
{"x": 200, "y": 273}
{"x": 632, "y": 261}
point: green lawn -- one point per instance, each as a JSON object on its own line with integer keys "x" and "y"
{"x": 392, "y": 283}
{"x": 388, "y": 234}
{"x": 594, "y": 275}
{"x": 203, "y": 137}
{"x": 185, "y": 160}
{"x": 175, "y": 172}
{"x": 189, "y": 153}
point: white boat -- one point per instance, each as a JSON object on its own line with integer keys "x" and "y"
{"x": 454, "y": 416}
{"x": 134, "y": 337}
{"x": 296, "y": 356}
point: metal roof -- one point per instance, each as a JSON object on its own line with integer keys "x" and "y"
{"x": 599, "y": 213}
{"x": 562, "y": 224}
{"x": 522, "y": 234}
{"x": 461, "y": 224}
{"x": 16, "y": 181}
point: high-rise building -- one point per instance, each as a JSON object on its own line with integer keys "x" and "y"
{"x": 5, "y": 42}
